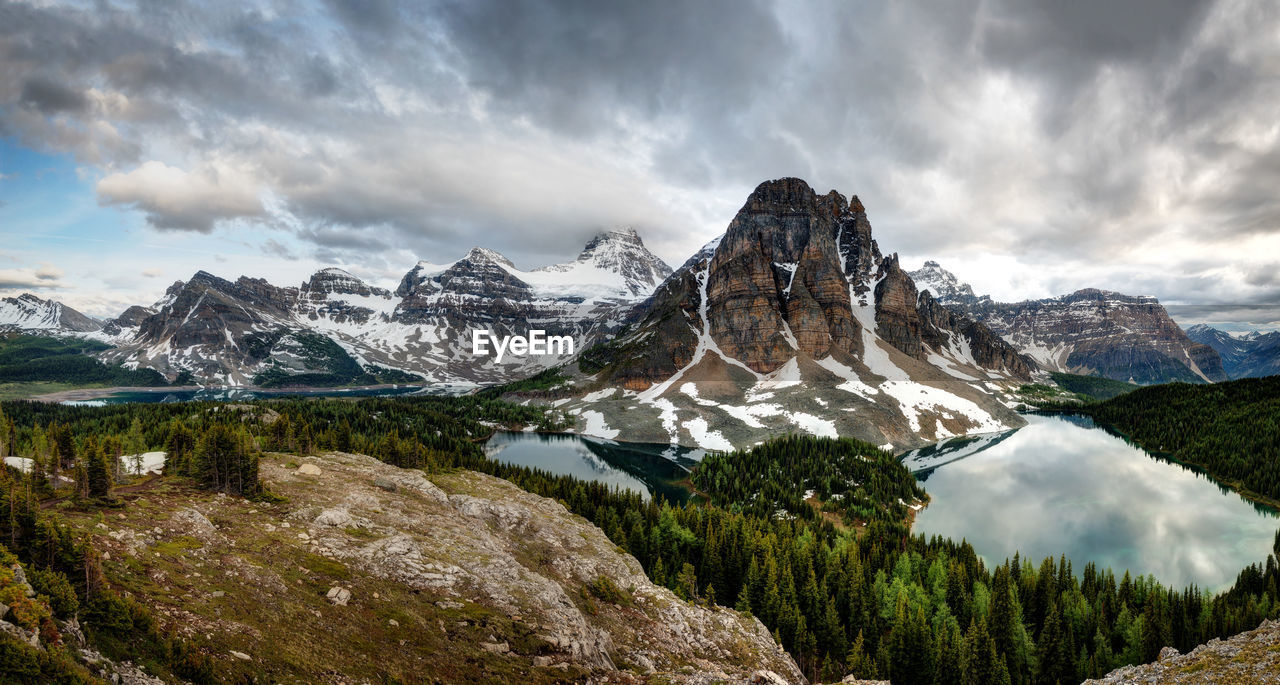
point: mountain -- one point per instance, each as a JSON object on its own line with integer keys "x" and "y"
{"x": 1092, "y": 332}
{"x": 128, "y": 320}
{"x": 335, "y": 329}
{"x": 1252, "y": 355}
{"x": 944, "y": 285}
{"x": 30, "y": 314}
{"x": 793, "y": 319}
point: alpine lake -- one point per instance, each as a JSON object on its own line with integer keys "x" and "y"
{"x": 1058, "y": 486}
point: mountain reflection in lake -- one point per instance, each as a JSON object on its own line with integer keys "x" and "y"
{"x": 1063, "y": 486}
{"x": 642, "y": 467}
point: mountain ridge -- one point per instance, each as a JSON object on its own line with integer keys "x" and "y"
{"x": 1252, "y": 355}
{"x": 1091, "y": 331}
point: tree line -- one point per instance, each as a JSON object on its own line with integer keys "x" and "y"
{"x": 1230, "y": 429}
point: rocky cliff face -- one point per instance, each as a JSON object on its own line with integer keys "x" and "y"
{"x": 340, "y": 297}
{"x": 1250, "y": 657}
{"x": 27, "y": 313}
{"x": 1089, "y": 331}
{"x": 225, "y": 333}
{"x": 1252, "y": 355}
{"x": 794, "y": 300}
{"x": 467, "y": 577}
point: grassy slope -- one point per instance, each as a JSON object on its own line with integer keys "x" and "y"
{"x": 273, "y": 605}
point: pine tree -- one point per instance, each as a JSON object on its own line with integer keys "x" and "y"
{"x": 948, "y": 656}
{"x": 744, "y": 600}
{"x": 179, "y": 447}
{"x": 98, "y": 473}
{"x": 223, "y": 461}
{"x": 980, "y": 665}
{"x": 6, "y": 434}
{"x": 342, "y": 438}
{"x": 686, "y": 582}
{"x": 1003, "y": 622}
{"x": 1051, "y": 659}
{"x": 859, "y": 664}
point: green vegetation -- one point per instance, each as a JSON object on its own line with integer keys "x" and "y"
{"x": 329, "y": 366}
{"x": 855, "y": 480}
{"x": 1231, "y": 429}
{"x": 874, "y": 602}
{"x": 546, "y": 379}
{"x": 34, "y": 359}
{"x": 1092, "y": 387}
{"x": 1072, "y": 389}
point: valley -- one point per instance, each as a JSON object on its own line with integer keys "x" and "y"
{"x": 805, "y": 534}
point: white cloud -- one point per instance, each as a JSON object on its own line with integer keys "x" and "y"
{"x": 176, "y": 199}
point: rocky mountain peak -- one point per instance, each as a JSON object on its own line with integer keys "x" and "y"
{"x": 1244, "y": 355}
{"x": 130, "y": 318}
{"x": 620, "y": 252}
{"x": 943, "y": 284}
{"x": 29, "y": 312}
{"x": 335, "y": 281}
{"x": 485, "y": 255}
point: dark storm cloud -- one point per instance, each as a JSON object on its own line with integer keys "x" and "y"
{"x": 1130, "y": 142}
{"x": 50, "y": 97}
{"x": 576, "y": 66}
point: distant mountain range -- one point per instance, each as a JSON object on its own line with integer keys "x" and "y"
{"x": 335, "y": 329}
{"x": 793, "y": 319}
{"x": 1091, "y": 332}
{"x": 1250, "y": 355}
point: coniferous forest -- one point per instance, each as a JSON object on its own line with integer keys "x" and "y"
{"x": 852, "y": 593}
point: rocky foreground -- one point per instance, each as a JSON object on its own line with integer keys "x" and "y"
{"x": 369, "y": 572}
{"x": 1249, "y": 658}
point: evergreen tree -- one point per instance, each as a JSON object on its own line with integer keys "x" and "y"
{"x": 1052, "y": 658}
{"x": 858, "y": 663}
{"x": 980, "y": 665}
{"x": 98, "y": 473}
{"x": 686, "y": 582}
{"x": 223, "y": 461}
{"x": 6, "y": 434}
{"x": 179, "y": 448}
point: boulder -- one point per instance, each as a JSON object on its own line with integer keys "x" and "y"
{"x": 339, "y": 595}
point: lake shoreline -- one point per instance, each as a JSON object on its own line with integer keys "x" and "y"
{"x": 1233, "y": 485}
{"x": 1065, "y": 485}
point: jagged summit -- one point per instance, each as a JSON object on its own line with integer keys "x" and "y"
{"x": 332, "y": 281}
{"x": 943, "y": 284}
{"x": 1244, "y": 355}
{"x": 615, "y": 262}
{"x": 794, "y": 320}
{"x": 27, "y": 312}
{"x": 231, "y": 332}
{"x": 484, "y": 254}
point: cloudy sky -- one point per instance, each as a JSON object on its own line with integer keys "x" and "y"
{"x": 1032, "y": 147}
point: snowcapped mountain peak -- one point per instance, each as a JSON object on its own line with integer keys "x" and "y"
{"x": 28, "y": 312}
{"x": 615, "y": 259}
{"x": 333, "y": 280}
{"x": 484, "y": 254}
{"x": 942, "y": 284}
